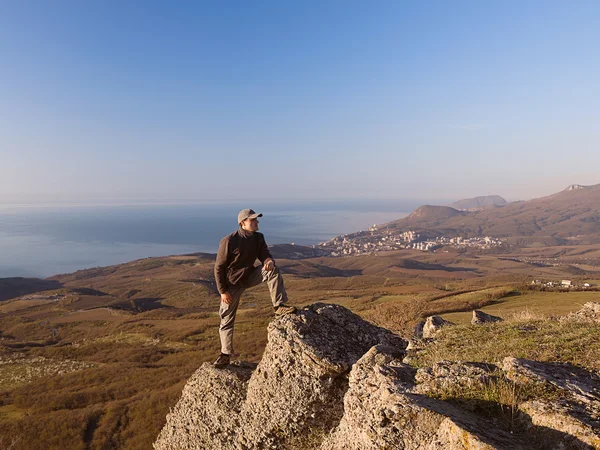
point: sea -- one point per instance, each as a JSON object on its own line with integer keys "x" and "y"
{"x": 41, "y": 240}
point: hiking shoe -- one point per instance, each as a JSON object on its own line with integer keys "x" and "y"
{"x": 284, "y": 309}
{"x": 222, "y": 361}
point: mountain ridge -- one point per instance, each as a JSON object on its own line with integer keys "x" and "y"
{"x": 569, "y": 216}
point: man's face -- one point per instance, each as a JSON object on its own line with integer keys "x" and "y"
{"x": 250, "y": 225}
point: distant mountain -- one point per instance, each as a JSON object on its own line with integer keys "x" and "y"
{"x": 569, "y": 216}
{"x": 470, "y": 204}
{"x": 433, "y": 215}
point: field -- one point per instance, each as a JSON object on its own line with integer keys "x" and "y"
{"x": 534, "y": 302}
{"x": 95, "y": 359}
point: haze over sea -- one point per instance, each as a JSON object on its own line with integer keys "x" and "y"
{"x": 40, "y": 241}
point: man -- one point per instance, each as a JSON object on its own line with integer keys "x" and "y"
{"x": 235, "y": 272}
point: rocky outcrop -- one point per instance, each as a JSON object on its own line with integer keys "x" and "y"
{"x": 209, "y": 409}
{"x": 433, "y": 325}
{"x": 479, "y": 318}
{"x": 292, "y": 397}
{"x": 573, "y": 408}
{"x": 382, "y": 410}
{"x": 330, "y": 380}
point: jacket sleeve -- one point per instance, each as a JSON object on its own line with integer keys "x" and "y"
{"x": 263, "y": 250}
{"x": 221, "y": 266}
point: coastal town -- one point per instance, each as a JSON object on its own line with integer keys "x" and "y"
{"x": 375, "y": 240}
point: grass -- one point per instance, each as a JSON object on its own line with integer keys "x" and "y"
{"x": 542, "y": 339}
{"x": 497, "y": 398}
{"x": 401, "y": 313}
{"x": 545, "y": 303}
{"x": 11, "y": 412}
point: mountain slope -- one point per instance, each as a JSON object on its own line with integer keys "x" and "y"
{"x": 572, "y": 214}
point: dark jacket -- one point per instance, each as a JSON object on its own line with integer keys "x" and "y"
{"x": 236, "y": 256}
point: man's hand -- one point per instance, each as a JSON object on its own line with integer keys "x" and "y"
{"x": 269, "y": 265}
{"x": 226, "y": 298}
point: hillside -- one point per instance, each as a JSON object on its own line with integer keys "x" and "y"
{"x": 98, "y": 360}
{"x": 571, "y": 216}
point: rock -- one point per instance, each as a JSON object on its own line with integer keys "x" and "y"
{"x": 578, "y": 383}
{"x": 433, "y": 324}
{"x": 418, "y": 332}
{"x": 293, "y": 396}
{"x": 448, "y": 375}
{"x": 589, "y": 313}
{"x": 414, "y": 348}
{"x": 576, "y": 430}
{"x": 330, "y": 380}
{"x": 479, "y": 318}
{"x": 574, "y": 413}
{"x": 382, "y": 410}
{"x": 207, "y": 414}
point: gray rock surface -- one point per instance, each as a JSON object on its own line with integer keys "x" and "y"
{"x": 330, "y": 380}
{"x": 433, "y": 325}
{"x": 445, "y": 375}
{"x": 576, "y": 430}
{"x": 577, "y": 383}
{"x": 207, "y": 415}
{"x": 294, "y": 395}
{"x": 479, "y": 318}
{"x": 383, "y": 411}
{"x": 575, "y": 410}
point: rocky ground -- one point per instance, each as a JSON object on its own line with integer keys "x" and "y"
{"x": 330, "y": 380}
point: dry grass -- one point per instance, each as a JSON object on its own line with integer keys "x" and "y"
{"x": 497, "y": 397}
{"x": 401, "y": 313}
{"x": 538, "y": 339}
{"x": 539, "y": 303}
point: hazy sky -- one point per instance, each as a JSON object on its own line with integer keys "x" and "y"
{"x": 194, "y": 100}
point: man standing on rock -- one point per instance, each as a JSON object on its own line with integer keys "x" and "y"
{"x": 235, "y": 272}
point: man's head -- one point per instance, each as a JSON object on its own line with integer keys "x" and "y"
{"x": 248, "y": 220}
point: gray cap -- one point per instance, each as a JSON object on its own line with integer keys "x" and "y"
{"x": 247, "y": 214}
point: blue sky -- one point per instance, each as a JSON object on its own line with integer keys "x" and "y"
{"x": 122, "y": 101}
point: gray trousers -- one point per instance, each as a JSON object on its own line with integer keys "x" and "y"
{"x": 227, "y": 312}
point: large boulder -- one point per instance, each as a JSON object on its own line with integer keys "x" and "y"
{"x": 292, "y": 397}
{"x": 208, "y": 411}
{"x": 577, "y": 383}
{"x": 330, "y": 380}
